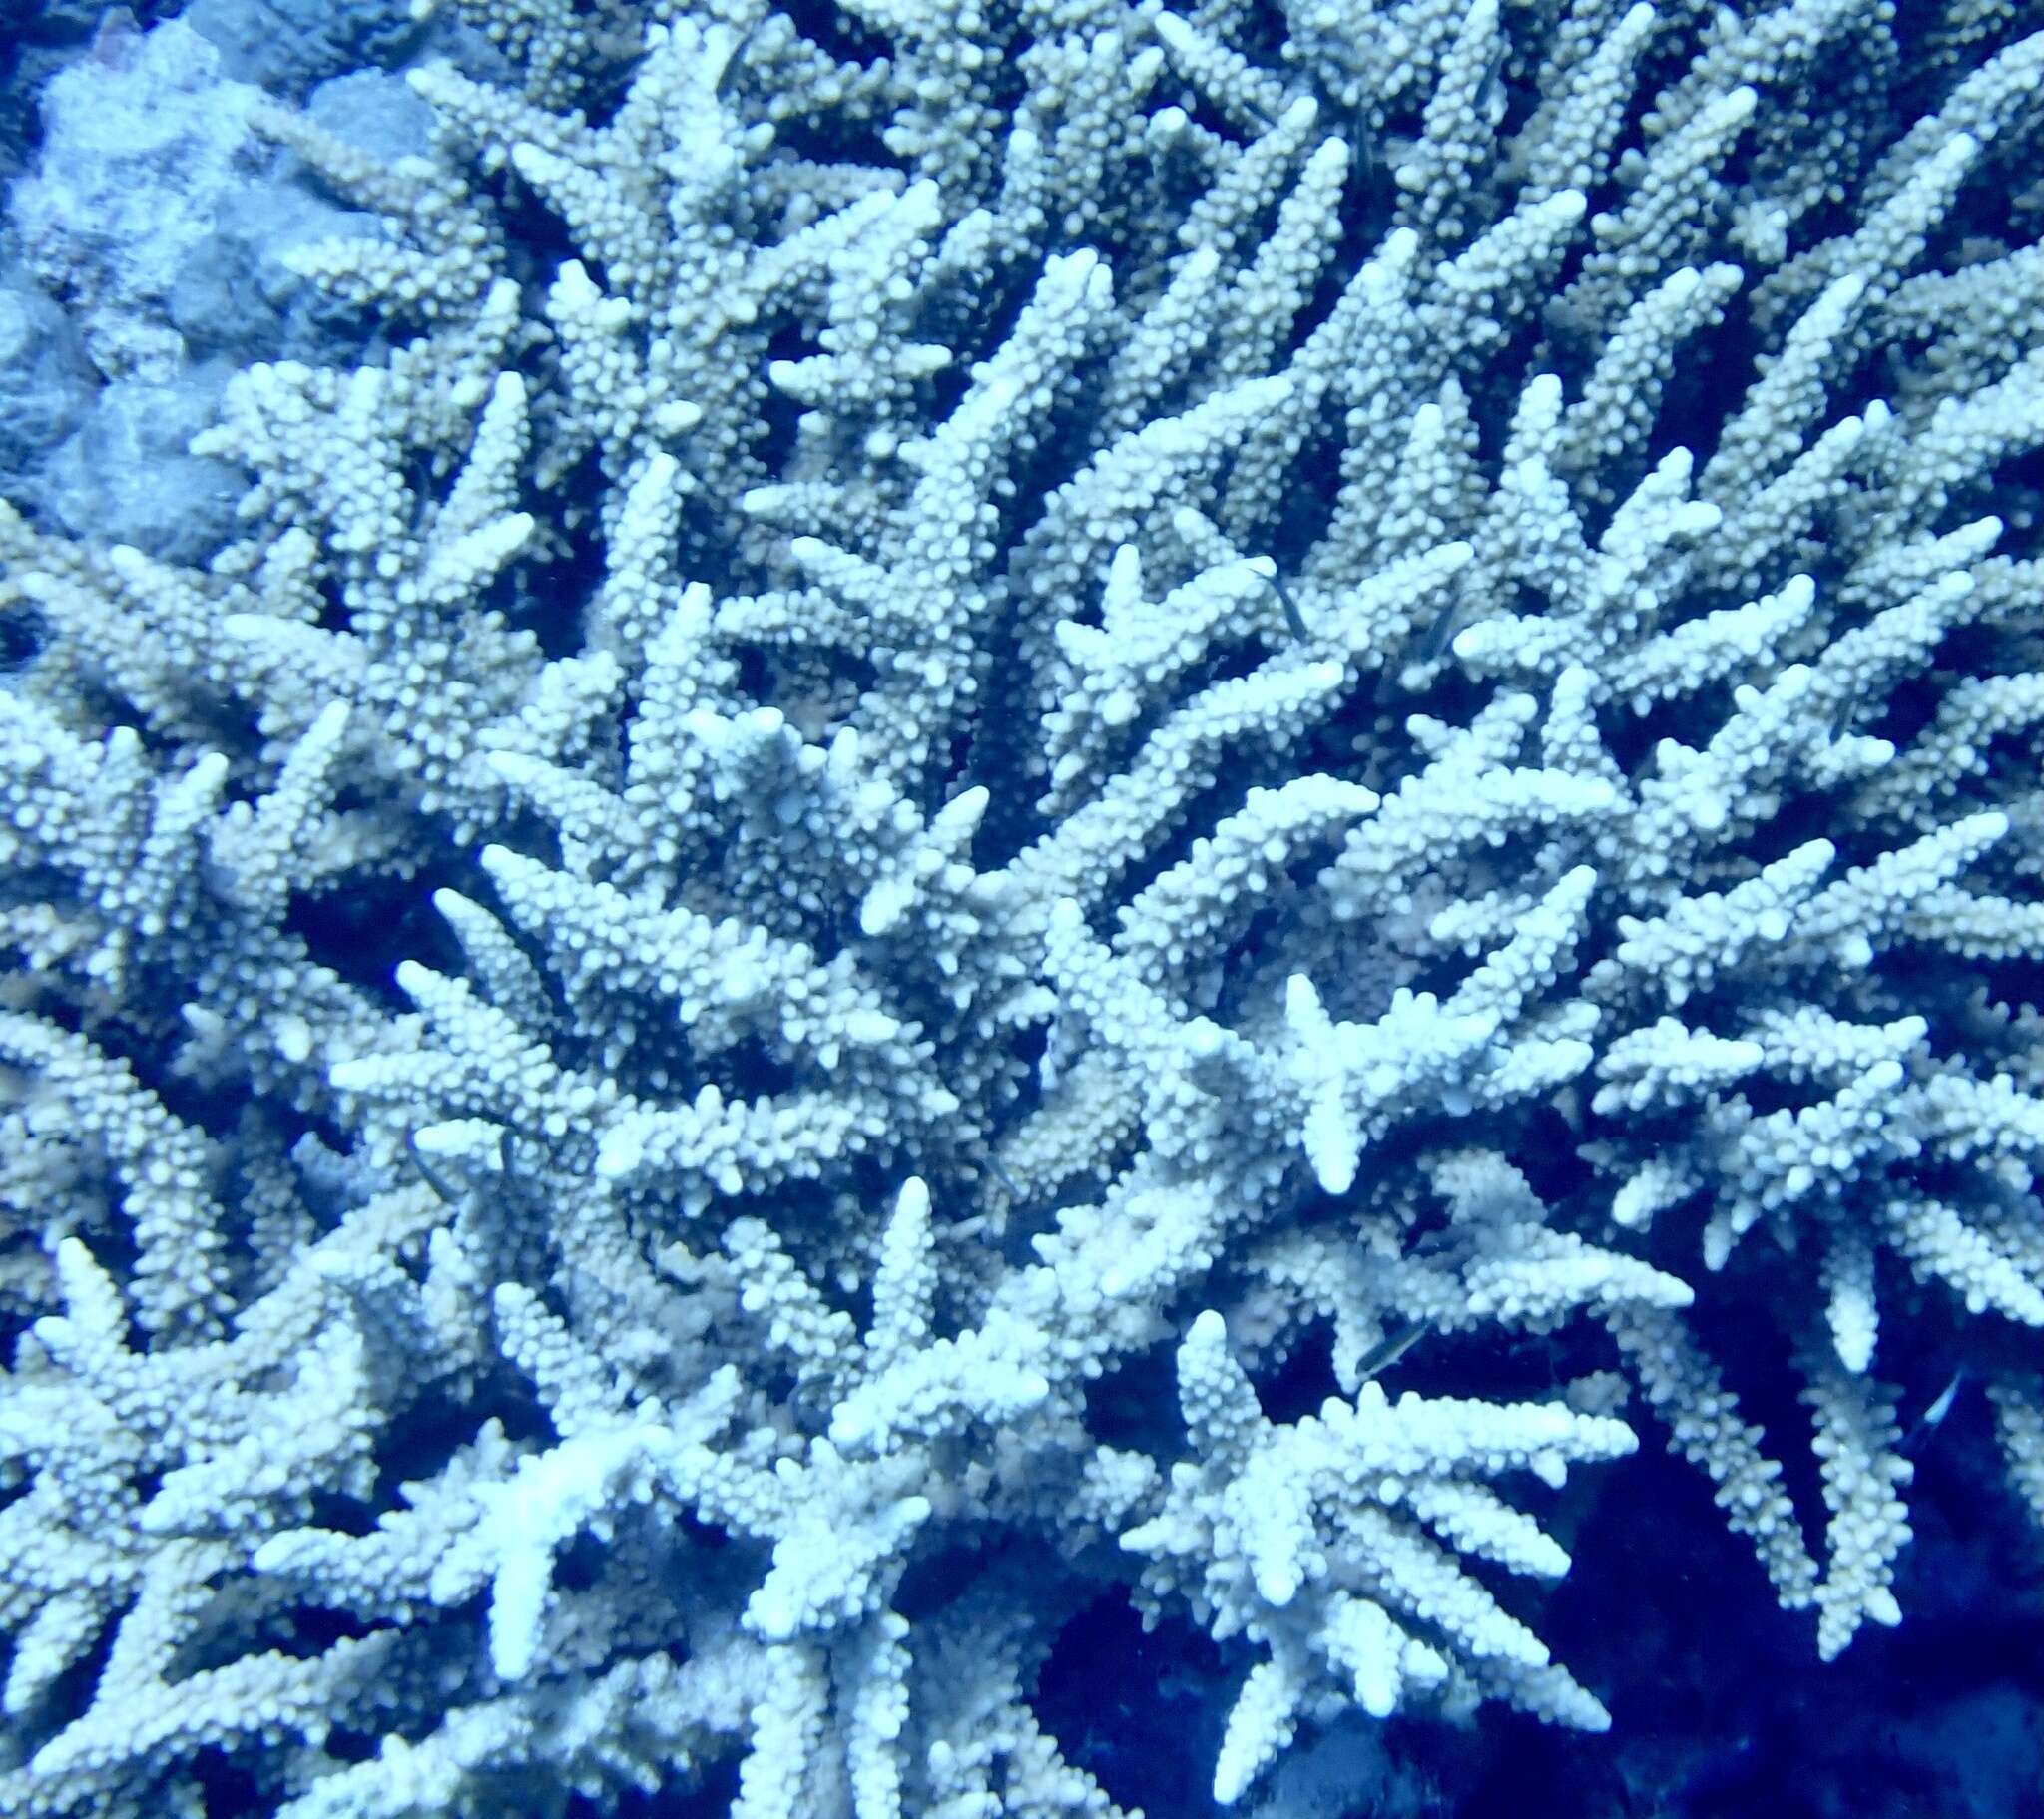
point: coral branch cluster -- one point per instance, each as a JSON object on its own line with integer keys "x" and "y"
{"x": 971, "y": 705}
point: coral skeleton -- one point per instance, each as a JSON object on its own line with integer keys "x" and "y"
{"x": 970, "y": 712}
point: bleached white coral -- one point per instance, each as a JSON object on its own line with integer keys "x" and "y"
{"x": 1331, "y": 1540}
{"x": 1106, "y": 681}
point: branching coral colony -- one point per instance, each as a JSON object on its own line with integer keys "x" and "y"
{"x": 1077, "y": 685}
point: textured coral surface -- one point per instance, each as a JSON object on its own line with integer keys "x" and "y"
{"x": 996, "y": 827}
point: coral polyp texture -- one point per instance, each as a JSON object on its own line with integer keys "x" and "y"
{"x": 1030, "y": 809}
